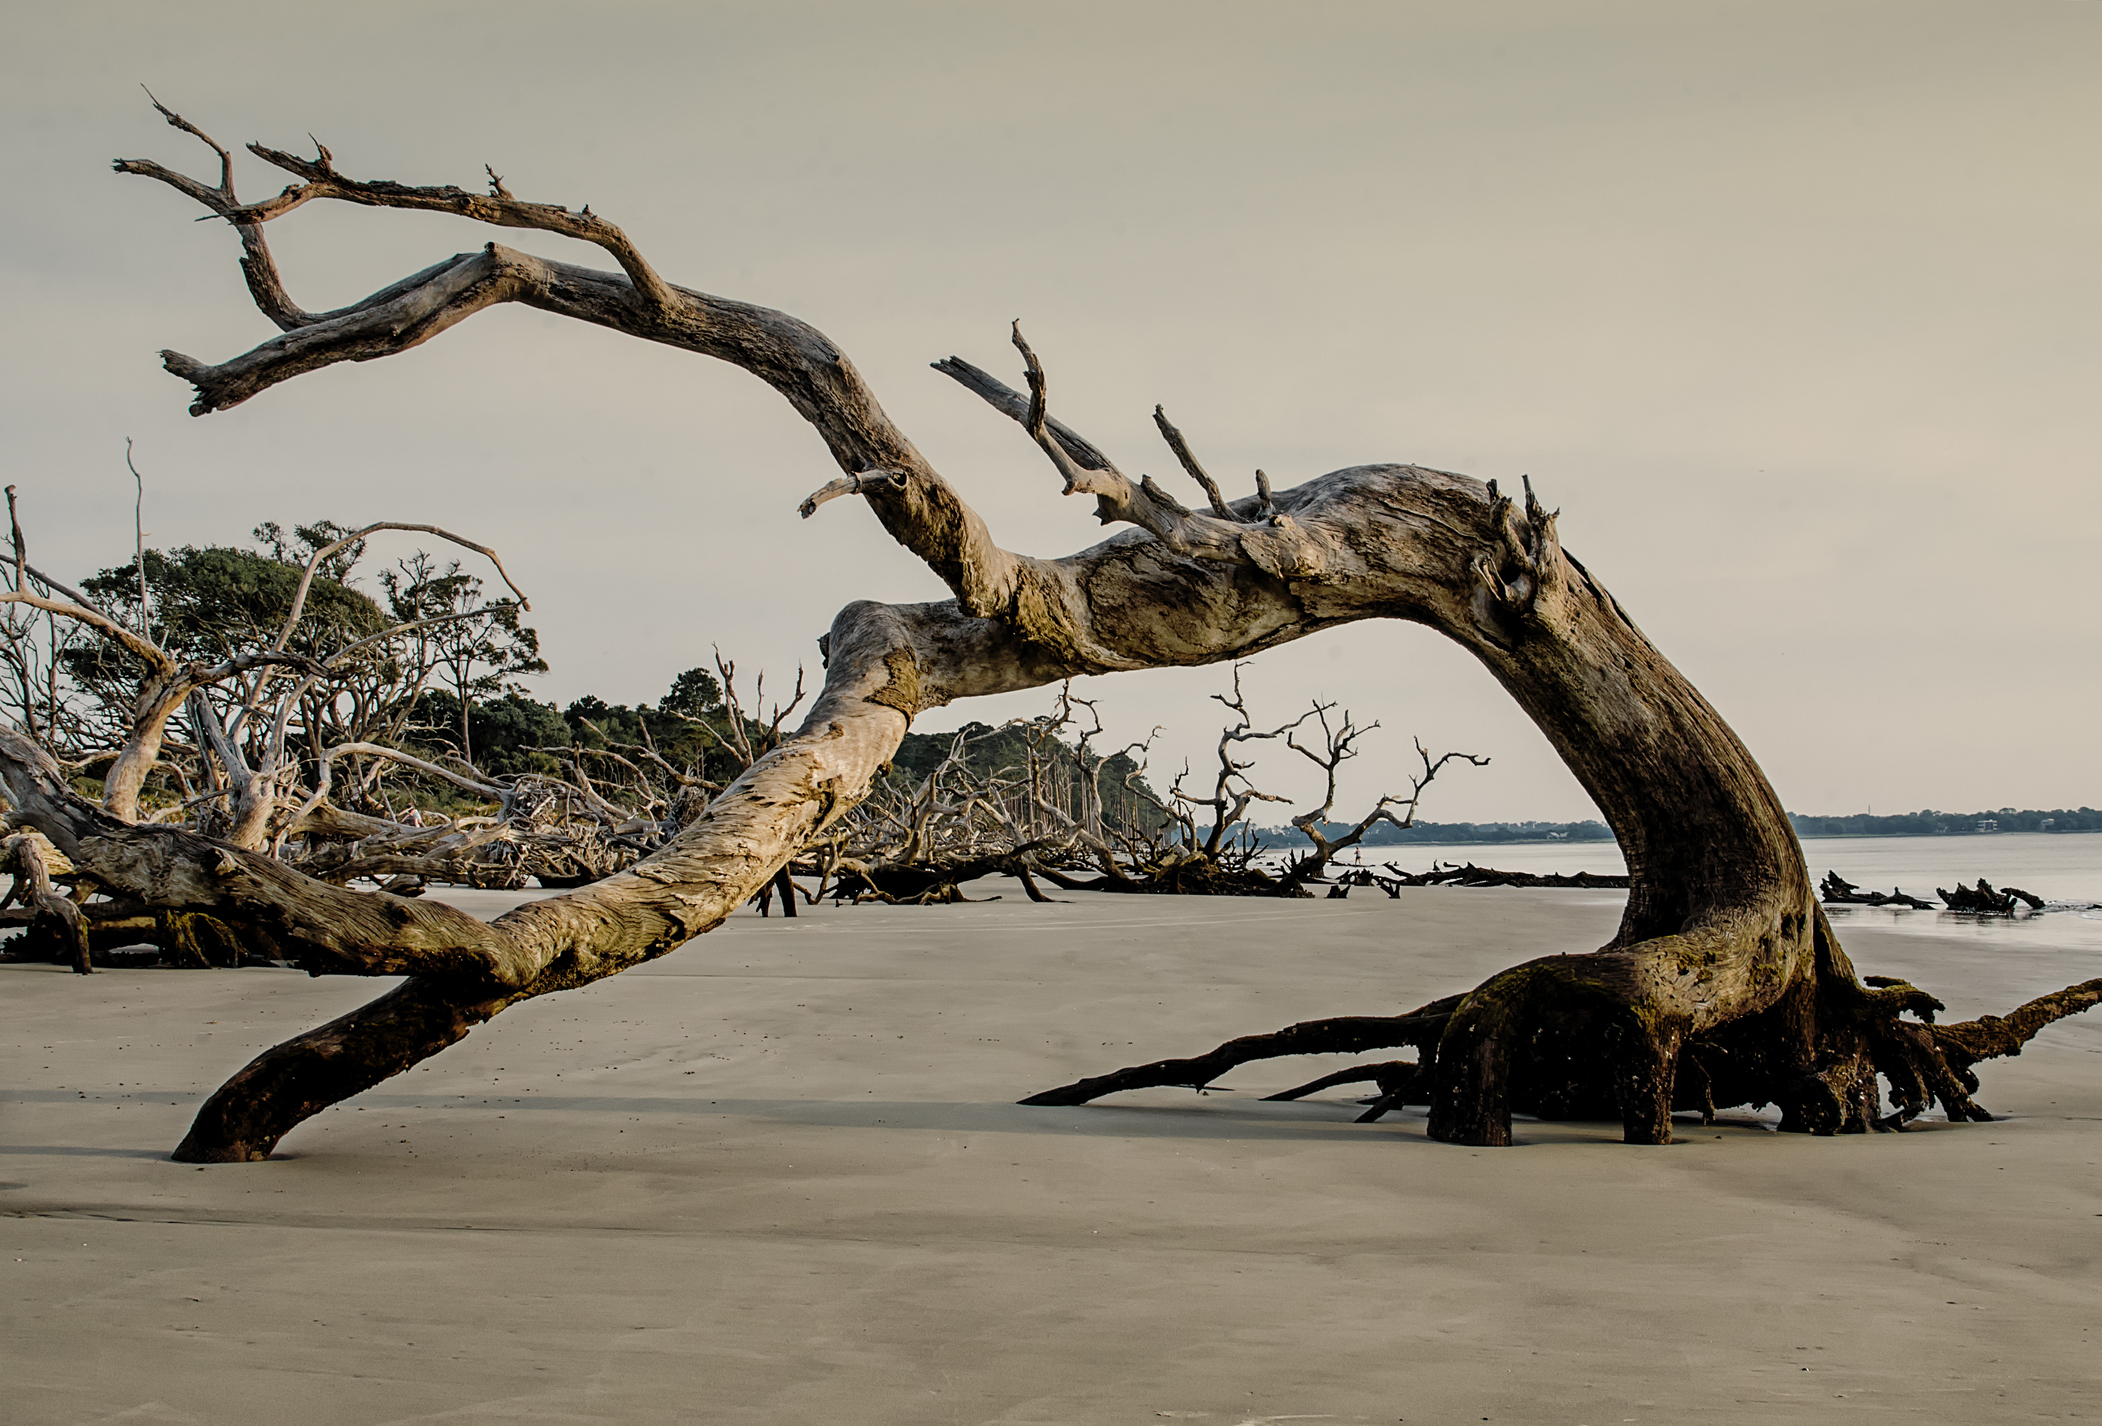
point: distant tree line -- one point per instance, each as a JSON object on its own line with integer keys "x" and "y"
{"x": 1930, "y": 823}
{"x": 1387, "y": 834}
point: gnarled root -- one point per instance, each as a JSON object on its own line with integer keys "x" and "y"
{"x": 1347, "y": 1034}
{"x": 1550, "y": 1040}
{"x": 1400, "y": 1082}
{"x": 1392, "y": 1076}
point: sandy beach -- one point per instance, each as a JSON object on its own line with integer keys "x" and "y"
{"x": 778, "y": 1177}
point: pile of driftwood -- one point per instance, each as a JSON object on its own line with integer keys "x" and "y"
{"x": 297, "y": 736}
{"x": 1017, "y": 800}
{"x": 1836, "y": 890}
{"x": 1029, "y": 799}
{"x": 1033, "y": 800}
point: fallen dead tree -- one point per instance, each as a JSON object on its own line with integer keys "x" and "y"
{"x": 1212, "y": 859}
{"x": 1983, "y": 898}
{"x": 286, "y": 738}
{"x": 221, "y": 728}
{"x": 1392, "y": 882}
{"x": 1040, "y": 811}
{"x": 1724, "y": 985}
{"x": 1182, "y": 855}
{"x": 1836, "y": 890}
{"x": 1046, "y": 815}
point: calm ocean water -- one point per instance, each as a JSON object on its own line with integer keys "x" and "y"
{"x": 2066, "y": 870}
{"x": 2057, "y": 867}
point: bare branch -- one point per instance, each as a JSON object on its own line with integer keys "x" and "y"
{"x": 920, "y": 510}
{"x": 377, "y": 750}
{"x": 257, "y": 266}
{"x": 498, "y": 208}
{"x": 341, "y": 656}
{"x": 21, "y": 547}
{"x": 1010, "y": 402}
{"x": 145, "y": 650}
{"x": 138, "y": 524}
{"x": 1340, "y": 748}
{"x": 1189, "y": 463}
{"x": 1273, "y": 543}
{"x": 177, "y": 121}
{"x": 861, "y": 482}
{"x": 22, "y": 565}
{"x": 314, "y": 561}
{"x": 1105, "y": 482}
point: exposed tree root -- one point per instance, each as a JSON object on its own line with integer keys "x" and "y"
{"x": 1993, "y": 1037}
{"x": 1835, "y": 1090}
{"x": 1397, "y": 1080}
{"x": 1387, "y": 1075}
{"x": 1344, "y": 1035}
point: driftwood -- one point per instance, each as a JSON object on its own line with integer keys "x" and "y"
{"x": 1984, "y": 898}
{"x": 268, "y": 775}
{"x": 1471, "y": 875}
{"x": 51, "y": 916}
{"x": 1340, "y": 744}
{"x": 1724, "y": 984}
{"x": 1045, "y": 819}
{"x": 1221, "y": 860}
{"x": 1835, "y": 890}
{"x": 1043, "y": 815}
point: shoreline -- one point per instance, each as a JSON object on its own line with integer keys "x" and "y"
{"x": 779, "y": 1175}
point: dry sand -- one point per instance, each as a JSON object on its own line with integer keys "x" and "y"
{"x": 777, "y": 1177}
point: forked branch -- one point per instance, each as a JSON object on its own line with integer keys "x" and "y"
{"x": 1188, "y": 458}
{"x": 497, "y": 207}
{"x": 916, "y": 506}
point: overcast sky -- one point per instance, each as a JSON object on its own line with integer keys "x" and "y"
{"x": 1791, "y": 308}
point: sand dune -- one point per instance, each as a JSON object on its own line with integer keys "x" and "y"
{"x": 778, "y": 1177}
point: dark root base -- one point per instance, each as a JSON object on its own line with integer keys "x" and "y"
{"x": 1829, "y": 1068}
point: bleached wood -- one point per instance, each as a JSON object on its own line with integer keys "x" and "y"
{"x": 1722, "y": 942}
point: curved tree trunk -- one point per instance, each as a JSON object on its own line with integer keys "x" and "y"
{"x": 1723, "y": 960}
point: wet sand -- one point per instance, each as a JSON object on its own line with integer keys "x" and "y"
{"x": 778, "y": 1177}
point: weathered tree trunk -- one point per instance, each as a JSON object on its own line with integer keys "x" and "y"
{"x": 1722, "y": 957}
{"x": 55, "y": 916}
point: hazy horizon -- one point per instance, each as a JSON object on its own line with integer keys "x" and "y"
{"x": 1790, "y": 308}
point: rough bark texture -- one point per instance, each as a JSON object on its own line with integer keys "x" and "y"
{"x": 52, "y": 915}
{"x": 1723, "y": 958}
